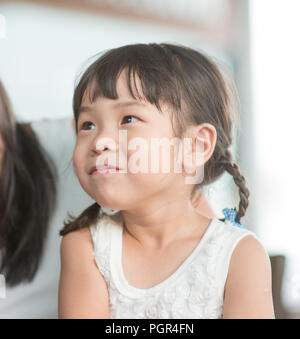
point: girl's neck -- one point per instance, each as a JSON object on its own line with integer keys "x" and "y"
{"x": 159, "y": 226}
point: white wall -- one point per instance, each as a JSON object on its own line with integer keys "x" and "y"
{"x": 275, "y": 40}
{"x": 46, "y": 46}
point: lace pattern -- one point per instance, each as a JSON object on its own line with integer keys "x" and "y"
{"x": 196, "y": 293}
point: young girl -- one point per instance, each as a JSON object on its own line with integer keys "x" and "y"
{"x": 142, "y": 250}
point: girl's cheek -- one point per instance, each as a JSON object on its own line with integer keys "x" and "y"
{"x": 78, "y": 160}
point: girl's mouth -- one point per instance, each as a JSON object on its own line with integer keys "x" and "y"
{"x": 96, "y": 170}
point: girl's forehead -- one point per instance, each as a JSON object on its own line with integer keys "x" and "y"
{"x": 128, "y": 89}
{"x": 123, "y": 92}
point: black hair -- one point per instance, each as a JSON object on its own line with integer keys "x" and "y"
{"x": 27, "y": 197}
{"x": 189, "y": 81}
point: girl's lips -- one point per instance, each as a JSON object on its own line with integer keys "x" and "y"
{"x": 103, "y": 170}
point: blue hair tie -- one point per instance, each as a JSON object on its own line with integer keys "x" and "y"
{"x": 230, "y": 215}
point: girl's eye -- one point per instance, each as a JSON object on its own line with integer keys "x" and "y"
{"x": 87, "y": 125}
{"x": 129, "y": 118}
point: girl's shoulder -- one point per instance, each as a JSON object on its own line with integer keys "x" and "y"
{"x": 235, "y": 247}
{"x": 76, "y": 247}
{"x": 249, "y": 280}
{"x": 238, "y": 239}
{"x": 76, "y": 237}
{"x": 241, "y": 241}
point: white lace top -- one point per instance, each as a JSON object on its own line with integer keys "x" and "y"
{"x": 195, "y": 290}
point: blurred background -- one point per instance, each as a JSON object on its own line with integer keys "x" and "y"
{"x": 44, "y": 45}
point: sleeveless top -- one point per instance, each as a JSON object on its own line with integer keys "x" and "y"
{"x": 195, "y": 290}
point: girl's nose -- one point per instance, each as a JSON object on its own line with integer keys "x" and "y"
{"x": 99, "y": 150}
{"x": 103, "y": 143}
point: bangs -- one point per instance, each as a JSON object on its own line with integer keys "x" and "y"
{"x": 148, "y": 63}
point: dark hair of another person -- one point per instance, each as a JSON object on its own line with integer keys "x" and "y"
{"x": 27, "y": 198}
{"x": 190, "y": 82}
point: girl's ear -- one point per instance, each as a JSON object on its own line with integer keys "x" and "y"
{"x": 193, "y": 160}
{"x": 193, "y": 151}
{"x": 198, "y": 146}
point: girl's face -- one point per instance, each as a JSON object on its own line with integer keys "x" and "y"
{"x": 104, "y": 118}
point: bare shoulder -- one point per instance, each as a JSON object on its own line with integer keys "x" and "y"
{"x": 249, "y": 250}
{"x": 81, "y": 236}
{"x": 83, "y": 292}
{"x": 248, "y": 289}
{"x": 77, "y": 248}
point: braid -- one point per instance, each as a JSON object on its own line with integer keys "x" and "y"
{"x": 86, "y": 218}
{"x": 232, "y": 168}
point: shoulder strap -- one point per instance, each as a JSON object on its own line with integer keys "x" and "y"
{"x": 101, "y": 238}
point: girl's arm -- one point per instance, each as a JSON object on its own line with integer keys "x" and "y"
{"x": 248, "y": 289}
{"x": 82, "y": 289}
